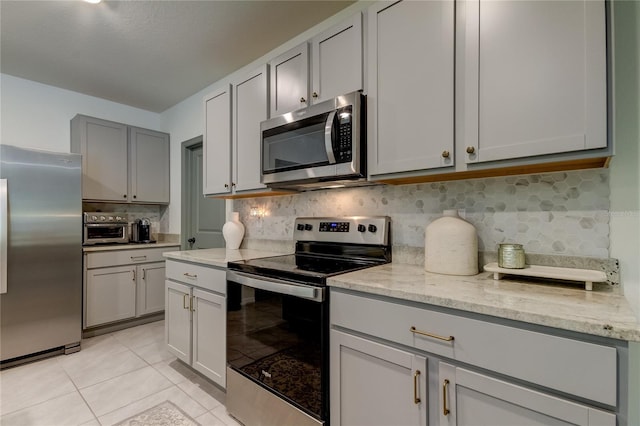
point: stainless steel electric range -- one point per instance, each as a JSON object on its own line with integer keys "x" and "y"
{"x": 278, "y": 319}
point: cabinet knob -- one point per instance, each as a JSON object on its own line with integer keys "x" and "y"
{"x": 315, "y": 94}
{"x": 445, "y": 154}
{"x": 233, "y": 184}
{"x": 471, "y": 149}
{"x": 125, "y": 195}
{"x": 135, "y": 196}
{"x": 303, "y": 100}
{"x": 226, "y": 185}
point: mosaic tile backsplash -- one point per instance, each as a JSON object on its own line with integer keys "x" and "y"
{"x": 556, "y": 213}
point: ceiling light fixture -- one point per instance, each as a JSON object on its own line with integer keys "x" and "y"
{"x": 93, "y": 1}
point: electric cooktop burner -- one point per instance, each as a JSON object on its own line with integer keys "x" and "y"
{"x": 326, "y": 247}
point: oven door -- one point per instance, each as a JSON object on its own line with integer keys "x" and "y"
{"x": 277, "y": 337}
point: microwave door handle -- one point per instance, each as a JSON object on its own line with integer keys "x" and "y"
{"x": 328, "y": 144}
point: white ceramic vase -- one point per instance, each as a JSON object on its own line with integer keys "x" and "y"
{"x": 451, "y": 246}
{"x": 233, "y": 231}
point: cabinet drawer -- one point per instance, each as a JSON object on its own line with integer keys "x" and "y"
{"x": 199, "y": 276}
{"x": 125, "y": 257}
{"x": 579, "y": 368}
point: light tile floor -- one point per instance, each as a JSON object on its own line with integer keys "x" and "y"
{"x": 114, "y": 376}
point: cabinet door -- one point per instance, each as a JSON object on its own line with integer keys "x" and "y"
{"x": 337, "y": 60}
{"x": 217, "y": 142}
{"x": 110, "y": 295}
{"x": 209, "y": 335}
{"x": 375, "y": 384}
{"x": 290, "y": 80}
{"x": 150, "y": 294}
{"x": 149, "y": 166}
{"x": 534, "y": 78}
{"x": 177, "y": 317}
{"x": 470, "y": 398}
{"x": 250, "y": 108}
{"x": 103, "y": 145}
{"x": 410, "y": 86}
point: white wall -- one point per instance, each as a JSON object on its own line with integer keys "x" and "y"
{"x": 625, "y": 173}
{"x": 34, "y": 115}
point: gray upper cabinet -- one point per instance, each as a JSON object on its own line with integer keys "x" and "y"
{"x": 335, "y": 68}
{"x": 290, "y": 80}
{"x": 103, "y": 145}
{"x": 148, "y": 166}
{"x": 533, "y": 78}
{"x": 410, "y": 86}
{"x": 121, "y": 163}
{"x": 217, "y": 142}
{"x": 336, "y": 60}
{"x": 250, "y": 107}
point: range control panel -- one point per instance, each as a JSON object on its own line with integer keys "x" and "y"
{"x": 352, "y": 229}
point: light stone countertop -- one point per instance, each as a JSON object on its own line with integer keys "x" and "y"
{"x": 601, "y": 312}
{"x": 218, "y": 256}
{"x": 129, "y": 246}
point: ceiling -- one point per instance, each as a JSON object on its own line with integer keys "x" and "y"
{"x": 147, "y": 54}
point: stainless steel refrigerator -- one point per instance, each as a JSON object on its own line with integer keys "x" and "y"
{"x": 40, "y": 253}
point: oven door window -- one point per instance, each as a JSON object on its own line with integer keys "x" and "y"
{"x": 275, "y": 340}
{"x": 98, "y": 232}
{"x": 296, "y": 145}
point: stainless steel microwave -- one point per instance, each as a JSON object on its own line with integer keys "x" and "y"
{"x": 319, "y": 146}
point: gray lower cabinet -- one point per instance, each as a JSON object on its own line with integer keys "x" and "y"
{"x": 403, "y": 363}
{"x": 123, "y": 285}
{"x": 469, "y": 398}
{"x": 376, "y": 384}
{"x": 195, "y": 317}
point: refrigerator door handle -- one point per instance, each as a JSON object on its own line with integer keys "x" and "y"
{"x": 4, "y": 224}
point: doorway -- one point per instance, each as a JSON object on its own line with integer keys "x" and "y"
{"x": 202, "y": 217}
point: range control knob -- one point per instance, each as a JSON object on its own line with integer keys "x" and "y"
{"x": 300, "y": 227}
{"x": 373, "y": 228}
{"x": 94, "y": 218}
{"x": 102, "y": 218}
{"x": 361, "y": 228}
{"x": 308, "y": 227}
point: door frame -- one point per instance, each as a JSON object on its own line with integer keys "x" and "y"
{"x": 185, "y": 184}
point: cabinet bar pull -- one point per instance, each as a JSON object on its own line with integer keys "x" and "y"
{"x": 192, "y": 276}
{"x": 184, "y": 301}
{"x": 144, "y": 274}
{"x": 191, "y": 304}
{"x": 136, "y": 258}
{"x": 435, "y": 336}
{"x": 445, "y": 385}
{"x": 416, "y": 398}
{"x": 134, "y": 275}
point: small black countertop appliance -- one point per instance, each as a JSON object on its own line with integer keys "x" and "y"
{"x": 141, "y": 231}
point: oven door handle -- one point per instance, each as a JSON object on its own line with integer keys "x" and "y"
{"x": 277, "y": 286}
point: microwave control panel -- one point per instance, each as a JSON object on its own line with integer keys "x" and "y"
{"x": 344, "y": 132}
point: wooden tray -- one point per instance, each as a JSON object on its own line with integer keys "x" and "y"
{"x": 569, "y": 274}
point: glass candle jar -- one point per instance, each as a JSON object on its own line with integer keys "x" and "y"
{"x": 511, "y": 256}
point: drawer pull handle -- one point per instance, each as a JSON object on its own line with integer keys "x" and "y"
{"x": 184, "y": 301}
{"x": 445, "y": 385}
{"x": 416, "y": 398}
{"x": 435, "y": 336}
{"x": 192, "y": 276}
{"x": 138, "y": 258}
{"x": 191, "y": 304}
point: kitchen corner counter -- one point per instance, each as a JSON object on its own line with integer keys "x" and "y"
{"x": 129, "y": 246}
{"x": 218, "y": 256}
{"x": 602, "y": 312}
